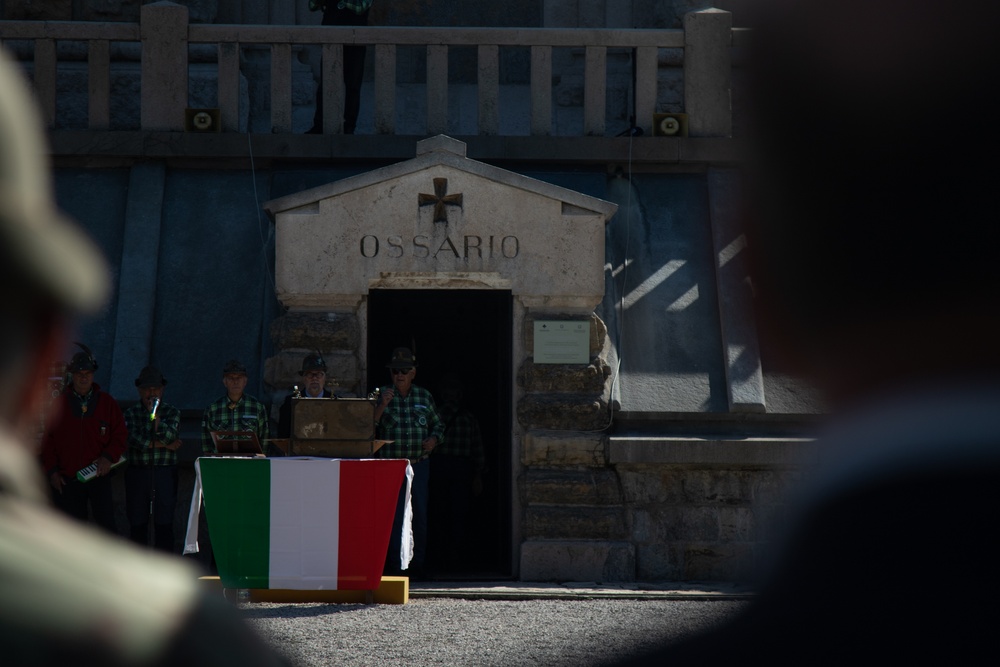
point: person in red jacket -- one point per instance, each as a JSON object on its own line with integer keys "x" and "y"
{"x": 89, "y": 429}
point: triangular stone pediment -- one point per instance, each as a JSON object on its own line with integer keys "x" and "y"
{"x": 439, "y": 220}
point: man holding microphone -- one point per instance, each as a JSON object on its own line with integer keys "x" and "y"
{"x": 151, "y": 478}
{"x": 406, "y": 415}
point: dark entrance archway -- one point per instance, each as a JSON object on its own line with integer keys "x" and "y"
{"x": 466, "y": 332}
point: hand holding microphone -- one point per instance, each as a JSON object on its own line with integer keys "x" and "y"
{"x": 155, "y": 420}
{"x": 386, "y": 396}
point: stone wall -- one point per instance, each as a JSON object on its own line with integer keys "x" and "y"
{"x": 337, "y": 336}
{"x": 591, "y": 516}
{"x": 700, "y": 524}
{"x": 611, "y": 508}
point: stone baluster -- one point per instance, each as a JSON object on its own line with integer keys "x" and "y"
{"x": 489, "y": 89}
{"x": 541, "y": 90}
{"x": 99, "y": 84}
{"x": 595, "y": 91}
{"x": 163, "y": 30}
{"x": 45, "y": 79}
{"x": 708, "y": 73}
{"x": 437, "y": 89}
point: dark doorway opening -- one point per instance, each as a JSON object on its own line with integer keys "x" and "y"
{"x": 465, "y": 333}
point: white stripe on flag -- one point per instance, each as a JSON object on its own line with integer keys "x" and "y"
{"x": 406, "y": 541}
{"x": 191, "y": 536}
{"x": 305, "y": 535}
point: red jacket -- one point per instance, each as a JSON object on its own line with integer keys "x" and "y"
{"x": 76, "y": 438}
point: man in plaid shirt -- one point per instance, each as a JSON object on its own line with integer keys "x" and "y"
{"x": 406, "y": 414}
{"x": 236, "y": 411}
{"x": 151, "y": 477}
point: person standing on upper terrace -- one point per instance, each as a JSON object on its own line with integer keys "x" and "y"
{"x": 344, "y": 13}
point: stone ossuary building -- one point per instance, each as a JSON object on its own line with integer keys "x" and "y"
{"x": 541, "y": 199}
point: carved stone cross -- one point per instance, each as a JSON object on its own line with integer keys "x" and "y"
{"x": 440, "y": 199}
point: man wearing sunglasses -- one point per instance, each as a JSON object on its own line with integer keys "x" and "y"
{"x": 406, "y": 415}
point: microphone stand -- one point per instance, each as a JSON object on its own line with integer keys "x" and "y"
{"x": 151, "y": 530}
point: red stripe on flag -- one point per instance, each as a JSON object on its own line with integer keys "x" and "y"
{"x": 368, "y": 493}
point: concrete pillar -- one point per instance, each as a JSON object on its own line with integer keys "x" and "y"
{"x": 741, "y": 351}
{"x": 163, "y": 28}
{"x": 137, "y": 283}
{"x": 708, "y": 73}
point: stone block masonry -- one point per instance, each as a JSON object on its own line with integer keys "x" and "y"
{"x": 296, "y": 334}
{"x": 591, "y": 513}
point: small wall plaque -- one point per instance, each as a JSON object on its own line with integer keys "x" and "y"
{"x": 562, "y": 342}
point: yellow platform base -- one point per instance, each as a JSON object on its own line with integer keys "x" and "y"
{"x": 392, "y": 590}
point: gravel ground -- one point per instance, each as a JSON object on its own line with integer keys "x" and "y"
{"x": 479, "y": 632}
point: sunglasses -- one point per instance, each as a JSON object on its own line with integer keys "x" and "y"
{"x": 400, "y": 371}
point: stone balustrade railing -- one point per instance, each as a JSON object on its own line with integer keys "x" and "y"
{"x": 164, "y": 36}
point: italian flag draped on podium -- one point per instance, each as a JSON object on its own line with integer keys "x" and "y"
{"x": 304, "y": 524}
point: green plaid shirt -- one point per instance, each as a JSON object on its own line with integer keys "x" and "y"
{"x": 248, "y": 414}
{"x": 461, "y": 435}
{"x": 141, "y": 434}
{"x": 356, "y": 6}
{"x": 409, "y": 421}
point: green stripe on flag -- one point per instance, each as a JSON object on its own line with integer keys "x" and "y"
{"x": 238, "y": 509}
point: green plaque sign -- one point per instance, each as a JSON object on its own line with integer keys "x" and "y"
{"x": 562, "y": 341}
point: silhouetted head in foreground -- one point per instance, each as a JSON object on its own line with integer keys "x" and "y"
{"x": 872, "y": 220}
{"x": 872, "y": 229}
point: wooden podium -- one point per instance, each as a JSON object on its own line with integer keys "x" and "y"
{"x": 236, "y": 443}
{"x": 336, "y": 427}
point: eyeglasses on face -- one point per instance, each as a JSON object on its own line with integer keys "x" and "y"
{"x": 400, "y": 371}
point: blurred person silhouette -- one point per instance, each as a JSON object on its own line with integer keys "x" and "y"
{"x": 457, "y": 481}
{"x": 871, "y": 227}
{"x": 72, "y": 594}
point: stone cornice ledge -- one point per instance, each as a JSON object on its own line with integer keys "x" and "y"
{"x": 141, "y": 144}
{"x": 766, "y": 452}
